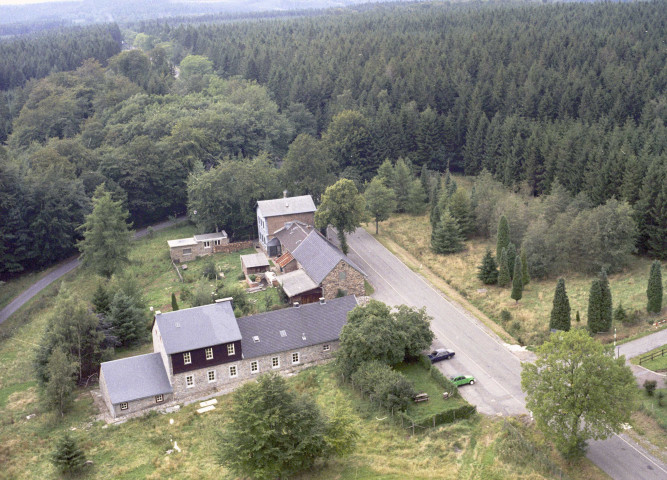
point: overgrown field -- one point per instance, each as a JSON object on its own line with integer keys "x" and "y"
{"x": 138, "y": 448}
{"x": 528, "y": 320}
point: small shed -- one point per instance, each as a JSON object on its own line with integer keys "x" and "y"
{"x": 254, "y": 263}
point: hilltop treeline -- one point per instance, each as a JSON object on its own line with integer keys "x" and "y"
{"x": 532, "y": 94}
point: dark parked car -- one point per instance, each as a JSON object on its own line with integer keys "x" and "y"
{"x": 440, "y": 354}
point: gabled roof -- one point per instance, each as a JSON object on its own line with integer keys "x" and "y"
{"x": 210, "y": 236}
{"x": 318, "y": 323}
{"x": 292, "y": 234}
{"x": 284, "y": 259}
{"x": 254, "y": 260}
{"x": 286, "y": 206}
{"x": 198, "y": 327}
{"x": 136, "y": 377}
{"x": 296, "y": 282}
{"x": 317, "y": 256}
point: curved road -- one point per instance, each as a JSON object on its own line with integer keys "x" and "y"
{"x": 481, "y": 353}
{"x": 65, "y": 267}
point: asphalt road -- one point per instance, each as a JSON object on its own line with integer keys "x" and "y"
{"x": 480, "y": 353}
{"x": 63, "y": 268}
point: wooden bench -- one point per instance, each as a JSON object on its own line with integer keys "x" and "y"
{"x": 421, "y": 397}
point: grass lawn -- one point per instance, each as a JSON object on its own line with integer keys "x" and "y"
{"x": 657, "y": 364}
{"x": 425, "y": 384}
{"x": 409, "y": 237}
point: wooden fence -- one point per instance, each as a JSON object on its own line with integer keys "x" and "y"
{"x": 654, "y": 355}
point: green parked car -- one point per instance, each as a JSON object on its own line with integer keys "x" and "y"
{"x": 459, "y": 380}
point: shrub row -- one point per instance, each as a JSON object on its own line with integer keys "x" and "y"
{"x": 391, "y": 389}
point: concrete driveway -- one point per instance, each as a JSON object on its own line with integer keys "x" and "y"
{"x": 479, "y": 352}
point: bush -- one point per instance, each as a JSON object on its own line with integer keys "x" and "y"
{"x": 391, "y": 389}
{"x": 241, "y": 276}
{"x": 210, "y": 272}
{"x": 505, "y": 316}
{"x": 650, "y": 386}
{"x": 252, "y": 277}
{"x": 240, "y": 300}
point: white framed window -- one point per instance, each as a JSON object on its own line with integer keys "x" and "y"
{"x": 326, "y": 348}
{"x": 187, "y": 358}
{"x": 159, "y": 398}
{"x": 275, "y": 362}
{"x": 190, "y": 381}
{"x": 233, "y": 372}
{"x": 209, "y": 353}
{"x": 211, "y": 376}
{"x": 124, "y": 406}
{"x": 230, "y": 349}
{"x": 295, "y": 358}
{"x": 254, "y": 367}
{"x": 207, "y": 244}
{"x": 187, "y": 251}
{"x": 216, "y": 242}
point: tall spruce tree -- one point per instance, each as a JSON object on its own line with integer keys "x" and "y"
{"x": 174, "y": 303}
{"x": 525, "y": 276}
{"x": 560, "y": 313}
{"x": 126, "y": 318}
{"x": 503, "y": 236}
{"x": 459, "y": 206}
{"x": 517, "y": 281}
{"x": 488, "y": 270}
{"x": 68, "y": 457}
{"x": 447, "y": 236}
{"x": 596, "y": 322}
{"x": 511, "y": 258}
{"x": 654, "y": 290}
{"x": 606, "y": 301}
{"x": 504, "y": 277}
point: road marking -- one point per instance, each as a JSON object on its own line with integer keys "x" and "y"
{"x": 641, "y": 453}
{"x": 443, "y": 335}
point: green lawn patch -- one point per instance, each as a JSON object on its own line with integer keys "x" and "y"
{"x": 655, "y": 360}
{"x": 655, "y": 407}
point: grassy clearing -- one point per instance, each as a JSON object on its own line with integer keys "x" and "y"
{"x": 658, "y": 364}
{"x": 529, "y": 317}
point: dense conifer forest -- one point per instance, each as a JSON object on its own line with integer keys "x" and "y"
{"x": 537, "y": 95}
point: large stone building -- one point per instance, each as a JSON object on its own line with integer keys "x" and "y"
{"x": 203, "y": 350}
{"x": 273, "y": 214}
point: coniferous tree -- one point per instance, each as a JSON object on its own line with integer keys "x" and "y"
{"x": 435, "y": 203}
{"x": 174, "y": 303}
{"x": 416, "y": 198}
{"x": 503, "y": 236}
{"x": 488, "y": 270}
{"x": 525, "y": 276}
{"x": 511, "y": 258}
{"x": 387, "y": 174}
{"x": 101, "y": 300}
{"x": 68, "y": 457}
{"x": 126, "y": 319}
{"x": 578, "y": 318}
{"x": 654, "y": 290}
{"x": 517, "y": 281}
{"x": 606, "y": 301}
{"x": 447, "y": 236}
{"x": 459, "y": 206}
{"x": 620, "y": 316}
{"x": 596, "y": 322}
{"x": 560, "y": 313}
{"x": 504, "y": 277}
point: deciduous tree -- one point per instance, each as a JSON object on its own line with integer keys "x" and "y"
{"x": 380, "y": 201}
{"x": 58, "y": 391}
{"x": 342, "y": 207}
{"x": 576, "y": 390}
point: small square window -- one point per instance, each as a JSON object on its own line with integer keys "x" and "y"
{"x": 187, "y": 251}
{"x": 326, "y": 348}
{"x": 230, "y": 349}
{"x": 216, "y": 242}
{"x": 283, "y": 333}
{"x": 211, "y": 375}
{"x": 207, "y": 244}
{"x": 209, "y": 353}
{"x": 275, "y": 362}
{"x": 187, "y": 358}
{"x": 255, "y": 339}
{"x": 159, "y": 398}
{"x": 254, "y": 367}
{"x": 190, "y": 381}
{"x": 232, "y": 371}
{"x": 123, "y": 406}
{"x": 295, "y": 358}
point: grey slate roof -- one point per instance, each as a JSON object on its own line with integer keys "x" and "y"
{"x": 292, "y": 234}
{"x": 296, "y": 282}
{"x": 317, "y": 256}
{"x": 210, "y": 236}
{"x": 286, "y": 206}
{"x": 136, "y": 377}
{"x": 319, "y": 323}
{"x": 198, "y": 327}
{"x": 254, "y": 260}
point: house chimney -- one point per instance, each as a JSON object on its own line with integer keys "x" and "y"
{"x": 322, "y": 301}
{"x": 158, "y": 312}
{"x": 303, "y": 336}
{"x": 284, "y": 193}
{"x": 296, "y": 304}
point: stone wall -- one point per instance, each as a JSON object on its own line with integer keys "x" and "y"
{"x": 141, "y": 404}
{"x": 234, "y": 247}
{"x": 352, "y": 283}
